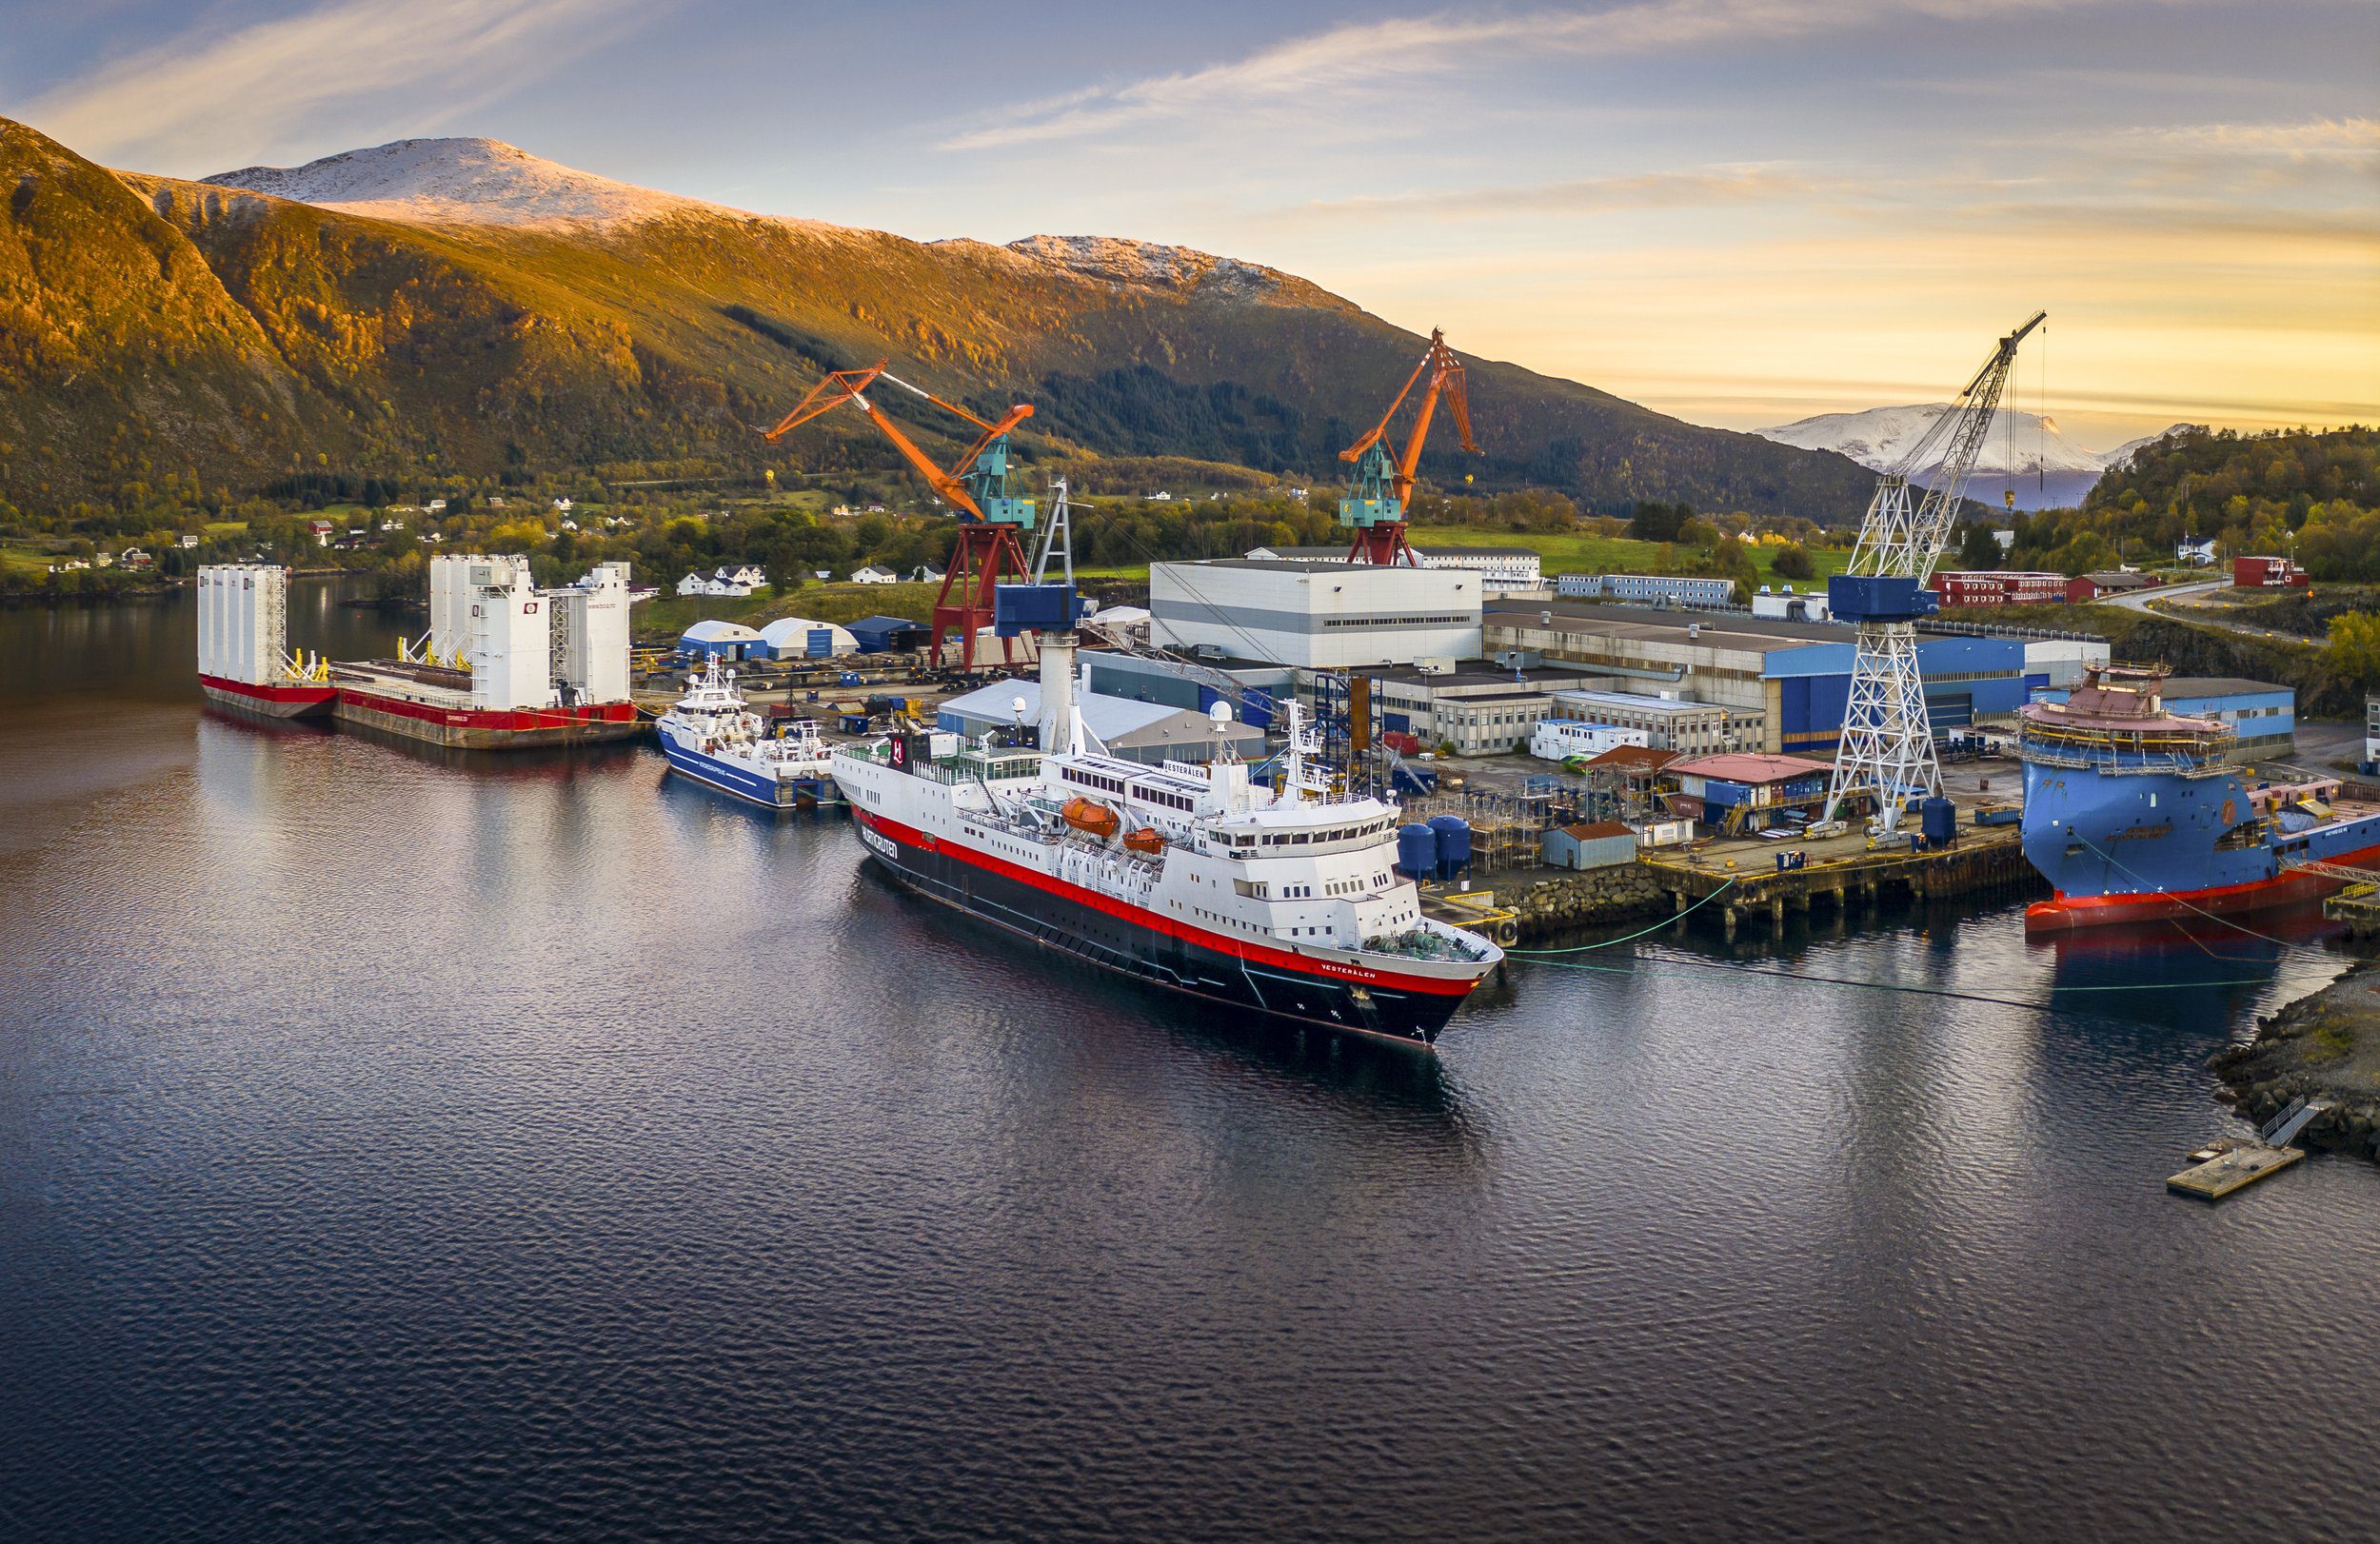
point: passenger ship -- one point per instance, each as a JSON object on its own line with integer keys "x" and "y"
{"x": 2136, "y": 814}
{"x": 1286, "y": 902}
{"x": 713, "y": 737}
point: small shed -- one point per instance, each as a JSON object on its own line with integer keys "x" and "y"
{"x": 719, "y": 640}
{"x": 1590, "y": 844}
{"x": 889, "y": 635}
{"x": 799, "y": 637}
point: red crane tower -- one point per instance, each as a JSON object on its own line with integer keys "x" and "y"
{"x": 976, "y": 485}
{"x": 1375, "y": 506}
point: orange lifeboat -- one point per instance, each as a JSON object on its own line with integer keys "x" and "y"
{"x": 1086, "y": 815}
{"x": 1145, "y": 840}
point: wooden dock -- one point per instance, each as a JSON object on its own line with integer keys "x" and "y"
{"x": 1838, "y": 872}
{"x": 2234, "y": 1169}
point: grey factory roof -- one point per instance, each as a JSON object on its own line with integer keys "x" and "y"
{"x": 1718, "y": 630}
{"x": 2217, "y": 687}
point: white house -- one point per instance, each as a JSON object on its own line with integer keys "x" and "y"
{"x": 436, "y": 506}
{"x": 563, "y": 505}
{"x": 746, "y": 574}
{"x": 692, "y": 584}
{"x": 873, "y": 575}
{"x": 927, "y": 574}
{"x": 2191, "y": 550}
{"x": 188, "y": 540}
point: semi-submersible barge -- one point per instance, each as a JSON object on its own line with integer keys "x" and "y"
{"x": 1283, "y": 902}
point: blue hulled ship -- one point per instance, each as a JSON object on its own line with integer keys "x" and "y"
{"x": 2134, "y": 813}
{"x": 714, "y": 738}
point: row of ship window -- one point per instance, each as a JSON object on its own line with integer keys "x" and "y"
{"x": 1116, "y": 785}
{"x": 1300, "y": 839}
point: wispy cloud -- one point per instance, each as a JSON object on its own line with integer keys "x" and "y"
{"x": 2307, "y": 139}
{"x": 211, "y": 98}
{"x": 1704, "y": 188}
{"x": 1406, "y": 49}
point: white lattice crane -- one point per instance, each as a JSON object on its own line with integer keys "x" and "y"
{"x": 1887, "y": 749}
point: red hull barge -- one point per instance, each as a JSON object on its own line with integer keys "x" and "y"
{"x": 419, "y": 714}
{"x": 271, "y": 699}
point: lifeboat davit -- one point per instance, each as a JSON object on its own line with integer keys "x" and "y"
{"x": 1086, "y": 815}
{"x": 1145, "y": 840}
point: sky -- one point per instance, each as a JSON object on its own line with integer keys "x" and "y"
{"x": 1738, "y": 211}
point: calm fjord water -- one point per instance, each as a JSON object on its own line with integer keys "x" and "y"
{"x": 389, "y": 1146}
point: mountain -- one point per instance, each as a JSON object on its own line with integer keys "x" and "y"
{"x": 2025, "y": 451}
{"x": 464, "y": 307}
{"x": 465, "y": 181}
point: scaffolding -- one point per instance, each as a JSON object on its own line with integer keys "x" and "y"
{"x": 1508, "y": 827}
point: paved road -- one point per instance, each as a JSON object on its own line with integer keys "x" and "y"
{"x": 2191, "y": 602}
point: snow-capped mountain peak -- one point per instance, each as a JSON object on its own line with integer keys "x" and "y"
{"x": 2026, "y": 452}
{"x": 2019, "y": 441}
{"x": 470, "y": 181}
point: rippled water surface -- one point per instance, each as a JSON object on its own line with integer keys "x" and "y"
{"x": 396, "y": 1145}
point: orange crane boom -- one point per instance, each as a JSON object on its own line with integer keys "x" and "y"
{"x": 851, "y": 386}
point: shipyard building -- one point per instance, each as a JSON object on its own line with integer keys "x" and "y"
{"x": 1315, "y": 616}
{"x": 1785, "y": 684}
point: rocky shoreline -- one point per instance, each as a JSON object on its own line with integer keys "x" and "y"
{"x": 2322, "y": 1047}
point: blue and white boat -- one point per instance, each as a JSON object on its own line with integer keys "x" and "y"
{"x": 713, "y": 737}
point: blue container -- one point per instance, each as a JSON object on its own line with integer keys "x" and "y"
{"x": 1032, "y": 608}
{"x": 1416, "y": 851}
{"x": 1454, "y": 844}
{"x": 1939, "y": 819}
{"x": 1879, "y": 598}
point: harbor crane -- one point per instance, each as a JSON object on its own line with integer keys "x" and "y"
{"x": 1887, "y": 750}
{"x": 976, "y": 485}
{"x": 1377, "y": 495}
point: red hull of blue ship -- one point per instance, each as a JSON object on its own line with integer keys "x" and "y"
{"x": 2135, "y": 814}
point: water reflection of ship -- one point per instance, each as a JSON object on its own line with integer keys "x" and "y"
{"x": 546, "y": 764}
{"x": 1382, "y": 1075}
{"x": 2180, "y": 972}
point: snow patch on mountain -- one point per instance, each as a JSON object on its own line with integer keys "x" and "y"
{"x": 465, "y": 181}
{"x": 2123, "y": 453}
{"x": 1114, "y": 260}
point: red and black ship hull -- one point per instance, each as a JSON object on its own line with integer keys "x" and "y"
{"x": 1270, "y": 982}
